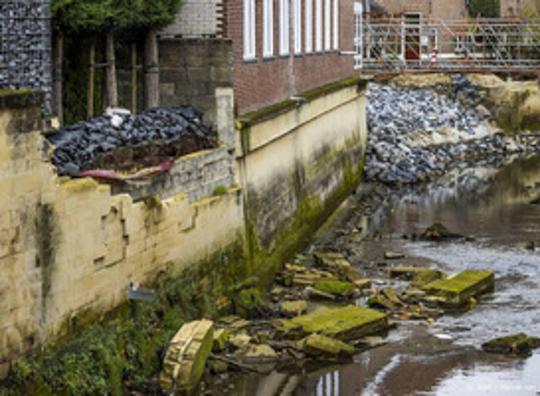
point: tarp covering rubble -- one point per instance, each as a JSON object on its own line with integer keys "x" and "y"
{"x": 119, "y": 142}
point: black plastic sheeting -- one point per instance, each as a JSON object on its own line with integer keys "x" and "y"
{"x": 78, "y": 147}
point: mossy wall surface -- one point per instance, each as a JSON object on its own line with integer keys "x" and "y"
{"x": 112, "y": 352}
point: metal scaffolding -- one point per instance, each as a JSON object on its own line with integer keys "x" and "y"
{"x": 416, "y": 44}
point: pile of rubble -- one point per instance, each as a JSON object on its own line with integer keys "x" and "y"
{"x": 83, "y": 146}
{"x": 415, "y": 134}
{"x": 316, "y": 311}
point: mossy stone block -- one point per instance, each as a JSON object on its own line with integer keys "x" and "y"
{"x": 426, "y": 276}
{"x": 517, "y": 344}
{"x": 345, "y": 323}
{"x": 335, "y": 287}
{"x": 317, "y": 345}
{"x": 456, "y": 290}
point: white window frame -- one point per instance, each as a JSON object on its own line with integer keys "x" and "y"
{"x": 309, "y": 26}
{"x": 327, "y": 25}
{"x": 318, "y": 26}
{"x": 297, "y": 10}
{"x": 268, "y": 28}
{"x": 336, "y": 25}
{"x": 284, "y": 27}
{"x": 250, "y": 51}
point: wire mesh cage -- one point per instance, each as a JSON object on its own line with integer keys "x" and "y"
{"x": 25, "y": 47}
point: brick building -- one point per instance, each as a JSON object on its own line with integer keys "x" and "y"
{"x": 454, "y": 9}
{"x": 280, "y": 48}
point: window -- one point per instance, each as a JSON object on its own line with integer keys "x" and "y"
{"x": 327, "y": 22}
{"x": 309, "y": 26}
{"x": 318, "y": 26}
{"x": 268, "y": 32}
{"x": 284, "y": 27}
{"x": 249, "y": 29}
{"x": 297, "y": 9}
{"x": 336, "y": 24}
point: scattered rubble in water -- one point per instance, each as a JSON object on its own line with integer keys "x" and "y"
{"x": 518, "y": 344}
{"x": 122, "y": 141}
{"x": 320, "y": 346}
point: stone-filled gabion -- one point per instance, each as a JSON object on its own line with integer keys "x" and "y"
{"x": 415, "y": 134}
{"x": 25, "y": 47}
{"x": 78, "y": 147}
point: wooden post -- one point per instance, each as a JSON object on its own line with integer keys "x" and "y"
{"x": 151, "y": 70}
{"x": 134, "y": 80}
{"x": 110, "y": 76}
{"x": 91, "y": 80}
{"x": 58, "y": 77}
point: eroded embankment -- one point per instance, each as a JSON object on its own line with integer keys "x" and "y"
{"x": 416, "y": 134}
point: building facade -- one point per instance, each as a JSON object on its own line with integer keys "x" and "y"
{"x": 280, "y": 48}
{"x": 455, "y": 9}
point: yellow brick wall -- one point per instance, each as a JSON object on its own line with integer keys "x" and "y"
{"x": 69, "y": 245}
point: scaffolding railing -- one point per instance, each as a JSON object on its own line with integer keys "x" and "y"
{"x": 408, "y": 44}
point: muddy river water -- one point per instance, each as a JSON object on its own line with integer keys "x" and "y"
{"x": 492, "y": 206}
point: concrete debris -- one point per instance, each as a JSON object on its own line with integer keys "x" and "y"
{"x": 393, "y": 255}
{"x": 336, "y": 288}
{"x": 518, "y": 344}
{"x": 317, "y": 345}
{"x": 186, "y": 356}
{"x": 457, "y": 291}
{"x": 293, "y": 308}
{"x": 240, "y": 341}
{"x": 88, "y": 145}
{"x": 438, "y": 232}
{"x": 344, "y": 323}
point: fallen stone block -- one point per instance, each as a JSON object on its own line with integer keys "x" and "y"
{"x": 334, "y": 262}
{"x": 186, "y": 356}
{"x": 404, "y": 272}
{"x": 426, "y": 276}
{"x": 344, "y": 323}
{"x": 362, "y": 283}
{"x": 240, "y": 341}
{"x": 293, "y": 308}
{"x": 317, "y": 345}
{"x": 518, "y": 344}
{"x": 456, "y": 290}
{"x": 335, "y": 287}
{"x": 393, "y": 255}
{"x": 438, "y": 232}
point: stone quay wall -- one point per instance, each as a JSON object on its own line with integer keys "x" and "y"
{"x": 70, "y": 248}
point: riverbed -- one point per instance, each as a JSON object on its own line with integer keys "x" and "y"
{"x": 492, "y": 205}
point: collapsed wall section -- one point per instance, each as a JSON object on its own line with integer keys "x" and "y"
{"x": 70, "y": 247}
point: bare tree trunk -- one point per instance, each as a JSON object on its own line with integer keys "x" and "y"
{"x": 151, "y": 70}
{"x": 91, "y": 80}
{"x": 112, "y": 89}
{"x": 58, "y": 77}
{"x": 134, "y": 80}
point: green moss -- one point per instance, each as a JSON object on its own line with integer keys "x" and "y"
{"x": 333, "y": 87}
{"x": 343, "y": 323}
{"x": 426, "y": 276}
{"x": 457, "y": 289}
{"x": 14, "y": 91}
{"x": 517, "y": 344}
{"x": 266, "y": 113}
{"x": 317, "y": 344}
{"x": 335, "y": 287}
{"x": 219, "y": 190}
